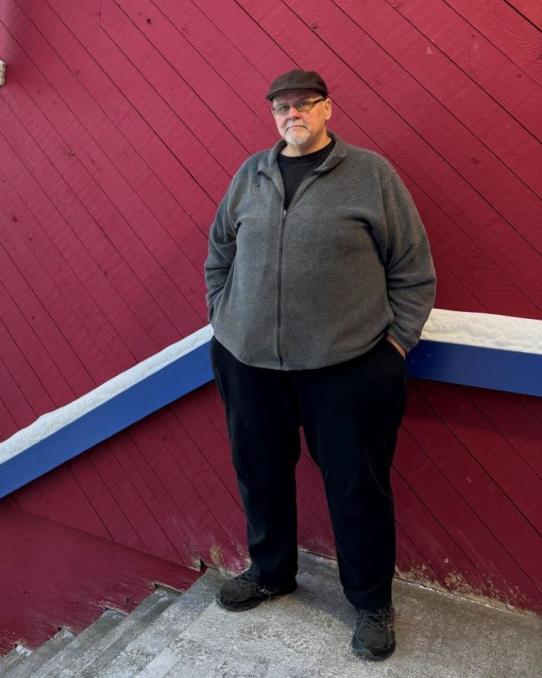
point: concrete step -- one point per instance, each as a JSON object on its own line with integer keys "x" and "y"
{"x": 14, "y": 657}
{"x": 30, "y": 665}
{"x": 307, "y": 635}
{"x": 82, "y": 643}
{"x": 90, "y": 662}
{"x": 143, "y": 655}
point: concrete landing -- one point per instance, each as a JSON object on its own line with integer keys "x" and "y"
{"x": 307, "y": 635}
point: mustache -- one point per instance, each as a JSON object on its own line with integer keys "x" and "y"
{"x": 295, "y": 124}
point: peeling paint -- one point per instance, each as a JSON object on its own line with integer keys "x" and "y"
{"x": 455, "y": 584}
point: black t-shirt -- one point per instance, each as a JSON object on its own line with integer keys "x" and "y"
{"x": 295, "y": 169}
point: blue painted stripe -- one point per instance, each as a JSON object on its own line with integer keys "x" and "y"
{"x": 138, "y": 401}
{"x": 454, "y": 363}
{"x": 490, "y": 368}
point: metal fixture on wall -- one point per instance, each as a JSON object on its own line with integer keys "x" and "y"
{"x": 2, "y": 73}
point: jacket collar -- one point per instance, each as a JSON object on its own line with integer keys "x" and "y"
{"x": 267, "y": 164}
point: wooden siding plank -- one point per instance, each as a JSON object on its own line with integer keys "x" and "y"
{"x": 208, "y": 177}
{"x": 411, "y": 564}
{"x": 519, "y": 427}
{"x": 105, "y": 492}
{"x": 70, "y": 289}
{"x": 215, "y": 93}
{"x": 531, "y": 11}
{"x": 147, "y": 513}
{"x": 447, "y": 503}
{"x": 8, "y": 424}
{"x": 485, "y": 174}
{"x": 127, "y": 230}
{"x": 72, "y": 583}
{"x": 45, "y": 303}
{"x": 515, "y": 37}
{"x": 478, "y": 58}
{"x": 141, "y": 119}
{"x": 32, "y": 344}
{"x": 59, "y": 497}
{"x": 204, "y": 135}
{"x": 498, "y": 458}
{"x": 127, "y": 158}
{"x": 22, "y": 373}
{"x": 206, "y": 536}
{"x": 20, "y": 411}
{"x": 65, "y": 247}
{"x": 224, "y": 510}
{"x": 499, "y": 133}
{"x": 417, "y": 520}
{"x": 487, "y": 246}
{"x": 470, "y": 474}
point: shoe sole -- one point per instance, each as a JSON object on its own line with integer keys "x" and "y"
{"x": 250, "y": 604}
{"x": 370, "y": 657}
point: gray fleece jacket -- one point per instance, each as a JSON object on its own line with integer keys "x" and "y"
{"x": 324, "y": 281}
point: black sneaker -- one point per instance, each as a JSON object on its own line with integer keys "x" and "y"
{"x": 243, "y": 592}
{"x": 374, "y": 637}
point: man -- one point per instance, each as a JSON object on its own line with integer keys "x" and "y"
{"x": 319, "y": 280}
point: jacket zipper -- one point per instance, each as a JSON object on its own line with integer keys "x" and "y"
{"x": 279, "y": 287}
{"x": 279, "y": 282}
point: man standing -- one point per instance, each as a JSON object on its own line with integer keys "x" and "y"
{"x": 319, "y": 280}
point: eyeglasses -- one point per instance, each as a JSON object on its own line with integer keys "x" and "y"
{"x": 301, "y": 106}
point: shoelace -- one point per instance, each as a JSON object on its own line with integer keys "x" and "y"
{"x": 378, "y": 619}
{"x": 245, "y": 576}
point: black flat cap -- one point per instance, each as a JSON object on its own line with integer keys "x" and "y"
{"x": 309, "y": 80}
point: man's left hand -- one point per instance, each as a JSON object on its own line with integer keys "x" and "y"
{"x": 396, "y": 345}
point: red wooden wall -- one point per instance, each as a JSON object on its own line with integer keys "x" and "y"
{"x": 121, "y": 123}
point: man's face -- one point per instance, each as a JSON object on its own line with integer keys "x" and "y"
{"x": 302, "y": 129}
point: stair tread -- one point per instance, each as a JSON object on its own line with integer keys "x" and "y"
{"x": 16, "y": 655}
{"x": 143, "y": 649}
{"x": 91, "y": 662}
{"x": 31, "y": 664}
{"x": 81, "y": 643}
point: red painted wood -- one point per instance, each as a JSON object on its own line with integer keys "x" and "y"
{"x": 59, "y": 497}
{"x": 18, "y": 409}
{"x": 52, "y": 228}
{"x": 465, "y": 492}
{"x": 72, "y": 583}
{"x": 129, "y": 162}
{"x": 454, "y": 90}
{"x": 23, "y": 375}
{"x": 87, "y": 321}
{"x": 532, "y": 11}
{"x": 204, "y": 81}
{"x": 510, "y": 479}
{"x": 8, "y": 425}
{"x": 129, "y": 230}
{"x": 478, "y": 58}
{"x": 29, "y": 342}
{"x": 142, "y": 118}
{"x": 29, "y": 280}
{"x": 517, "y": 425}
{"x": 507, "y": 30}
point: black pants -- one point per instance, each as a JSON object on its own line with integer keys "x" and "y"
{"x": 350, "y": 413}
